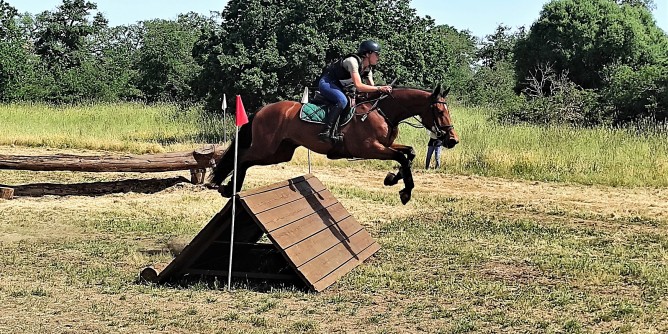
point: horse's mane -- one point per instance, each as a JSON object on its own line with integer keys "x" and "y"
{"x": 428, "y": 90}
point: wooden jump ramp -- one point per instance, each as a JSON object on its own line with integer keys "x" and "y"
{"x": 313, "y": 238}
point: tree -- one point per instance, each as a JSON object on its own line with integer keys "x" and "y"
{"x": 118, "y": 50}
{"x": 165, "y": 67}
{"x": 62, "y": 42}
{"x": 633, "y": 94}
{"x": 14, "y": 56}
{"x": 8, "y": 15}
{"x": 270, "y": 49}
{"x": 499, "y": 46}
{"x": 583, "y": 37}
{"x": 648, "y": 4}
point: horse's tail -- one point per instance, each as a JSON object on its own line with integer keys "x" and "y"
{"x": 225, "y": 166}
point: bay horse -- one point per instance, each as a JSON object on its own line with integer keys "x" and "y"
{"x": 276, "y": 130}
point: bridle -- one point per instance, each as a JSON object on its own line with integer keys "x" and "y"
{"x": 440, "y": 130}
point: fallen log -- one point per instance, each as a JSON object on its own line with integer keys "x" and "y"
{"x": 6, "y": 193}
{"x": 196, "y": 161}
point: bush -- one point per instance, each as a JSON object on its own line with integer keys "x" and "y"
{"x": 563, "y": 102}
{"x": 493, "y": 87}
{"x": 632, "y": 95}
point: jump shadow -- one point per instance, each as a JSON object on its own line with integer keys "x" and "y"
{"x": 144, "y": 186}
{"x": 315, "y": 199}
{"x": 252, "y": 284}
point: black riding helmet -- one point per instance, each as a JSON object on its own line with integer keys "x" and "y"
{"x": 368, "y": 46}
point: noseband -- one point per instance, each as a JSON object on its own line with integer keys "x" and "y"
{"x": 441, "y": 130}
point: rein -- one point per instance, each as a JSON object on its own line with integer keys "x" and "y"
{"x": 440, "y": 130}
{"x": 373, "y": 108}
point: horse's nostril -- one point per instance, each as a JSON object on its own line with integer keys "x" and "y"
{"x": 451, "y": 143}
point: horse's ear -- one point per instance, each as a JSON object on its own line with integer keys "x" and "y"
{"x": 437, "y": 91}
{"x": 447, "y": 90}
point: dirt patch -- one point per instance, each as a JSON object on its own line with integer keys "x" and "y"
{"x": 511, "y": 272}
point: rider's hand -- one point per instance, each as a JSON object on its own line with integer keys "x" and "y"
{"x": 385, "y": 89}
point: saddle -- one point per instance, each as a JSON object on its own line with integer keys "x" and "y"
{"x": 315, "y": 111}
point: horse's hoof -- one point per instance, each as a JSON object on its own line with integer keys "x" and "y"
{"x": 225, "y": 191}
{"x": 211, "y": 186}
{"x": 405, "y": 196}
{"x": 390, "y": 179}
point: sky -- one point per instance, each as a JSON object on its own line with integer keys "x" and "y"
{"x": 481, "y": 17}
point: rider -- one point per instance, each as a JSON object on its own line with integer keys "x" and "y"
{"x": 346, "y": 75}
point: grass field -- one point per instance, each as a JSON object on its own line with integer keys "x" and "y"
{"x": 471, "y": 253}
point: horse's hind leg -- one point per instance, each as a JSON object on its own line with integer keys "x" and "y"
{"x": 283, "y": 153}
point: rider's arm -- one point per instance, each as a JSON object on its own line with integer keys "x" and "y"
{"x": 360, "y": 86}
{"x": 369, "y": 79}
{"x": 364, "y": 88}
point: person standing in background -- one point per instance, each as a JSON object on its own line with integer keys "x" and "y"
{"x": 433, "y": 148}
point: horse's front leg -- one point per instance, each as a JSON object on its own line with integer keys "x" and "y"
{"x": 405, "y": 194}
{"x": 392, "y": 178}
{"x": 381, "y": 152}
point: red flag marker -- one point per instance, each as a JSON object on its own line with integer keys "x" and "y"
{"x": 242, "y": 118}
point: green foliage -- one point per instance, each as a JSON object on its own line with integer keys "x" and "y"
{"x": 12, "y": 54}
{"x": 270, "y": 50}
{"x": 606, "y": 58}
{"x": 63, "y": 40}
{"x": 583, "y": 37}
{"x": 493, "y": 87}
{"x": 634, "y": 94}
{"x": 649, "y": 4}
{"x": 499, "y": 46}
{"x": 7, "y": 16}
{"x": 165, "y": 65}
{"x": 605, "y": 62}
{"x": 567, "y": 103}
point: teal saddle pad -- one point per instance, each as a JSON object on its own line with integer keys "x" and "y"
{"x": 316, "y": 114}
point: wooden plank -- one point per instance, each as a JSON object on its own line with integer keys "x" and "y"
{"x": 281, "y": 216}
{"x": 261, "y": 202}
{"x": 310, "y": 248}
{"x": 274, "y": 186}
{"x": 300, "y": 229}
{"x": 345, "y": 268}
{"x": 331, "y": 259}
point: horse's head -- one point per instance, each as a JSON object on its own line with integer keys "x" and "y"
{"x": 437, "y": 118}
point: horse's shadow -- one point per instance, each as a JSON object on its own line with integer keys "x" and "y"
{"x": 144, "y": 186}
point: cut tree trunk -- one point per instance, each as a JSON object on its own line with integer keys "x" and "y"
{"x": 6, "y": 193}
{"x": 197, "y": 161}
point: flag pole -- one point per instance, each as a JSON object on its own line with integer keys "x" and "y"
{"x": 305, "y": 101}
{"x": 234, "y": 209}
{"x": 224, "y": 119}
{"x": 240, "y": 119}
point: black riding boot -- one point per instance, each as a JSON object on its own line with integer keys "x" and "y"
{"x": 327, "y": 133}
